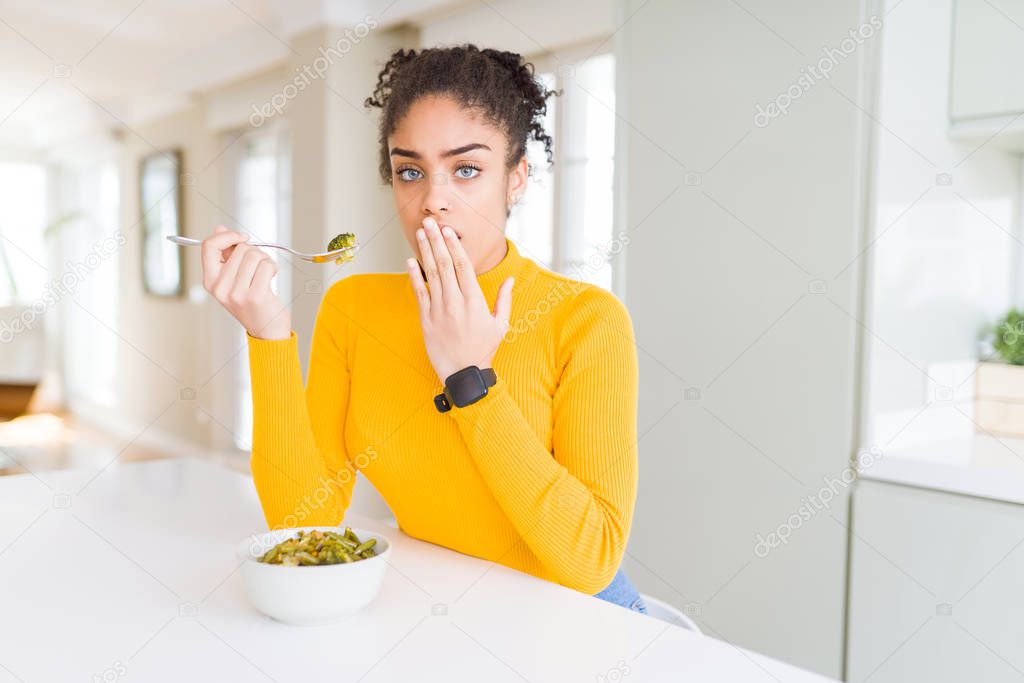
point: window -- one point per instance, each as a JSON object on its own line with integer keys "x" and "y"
{"x": 23, "y": 269}
{"x": 263, "y": 198}
{"x": 531, "y": 224}
{"x": 89, "y": 240}
{"x": 565, "y": 219}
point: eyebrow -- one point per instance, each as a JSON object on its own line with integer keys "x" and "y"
{"x": 398, "y": 151}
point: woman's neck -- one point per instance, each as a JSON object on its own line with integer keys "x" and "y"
{"x": 494, "y": 258}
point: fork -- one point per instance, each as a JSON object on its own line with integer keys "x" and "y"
{"x": 323, "y": 257}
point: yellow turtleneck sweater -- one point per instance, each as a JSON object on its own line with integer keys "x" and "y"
{"x": 539, "y": 475}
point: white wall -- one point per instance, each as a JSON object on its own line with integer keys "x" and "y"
{"x": 739, "y": 234}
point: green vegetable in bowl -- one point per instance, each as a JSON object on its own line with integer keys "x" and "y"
{"x": 320, "y": 547}
{"x": 342, "y": 241}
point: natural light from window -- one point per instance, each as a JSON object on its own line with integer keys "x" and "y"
{"x": 23, "y": 262}
{"x": 564, "y": 221}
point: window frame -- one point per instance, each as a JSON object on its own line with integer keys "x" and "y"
{"x": 556, "y": 61}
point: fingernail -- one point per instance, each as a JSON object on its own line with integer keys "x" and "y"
{"x": 430, "y": 222}
{"x": 448, "y": 232}
{"x": 421, "y": 234}
{"x": 410, "y": 262}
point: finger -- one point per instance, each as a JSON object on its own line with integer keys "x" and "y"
{"x": 450, "y": 292}
{"x": 430, "y": 268}
{"x": 419, "y": 288}
{"x": 503, "y": 304}
{"x": 225, "y": 282}
{"x": 246, "y": 270}
{"x": 211, "y": 252}
{"x": 265, "y": 272}
{"x": 462, "y": 265}
{"x": 224, "y": 239}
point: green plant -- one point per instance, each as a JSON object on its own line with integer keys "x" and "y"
{"x": 53, "y": 230}
{"x": 1009, "y": 337}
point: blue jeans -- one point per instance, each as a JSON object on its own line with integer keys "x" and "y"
{"x": 621, "y": 591}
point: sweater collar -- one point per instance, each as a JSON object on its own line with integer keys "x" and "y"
{"x": 512, "y": 264}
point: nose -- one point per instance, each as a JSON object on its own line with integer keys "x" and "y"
{"x": 438, "y": 199}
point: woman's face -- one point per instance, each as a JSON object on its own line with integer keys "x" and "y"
{"x": 449, "y": 164}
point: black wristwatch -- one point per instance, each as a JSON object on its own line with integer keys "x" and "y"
{"x": 464, "y": 387}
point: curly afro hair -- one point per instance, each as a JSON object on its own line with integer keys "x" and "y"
{"x": 497, "y": 85}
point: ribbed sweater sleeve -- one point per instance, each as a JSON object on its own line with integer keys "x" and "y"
{"x": 300, "y": 468}
{"x": 573, "y": 507}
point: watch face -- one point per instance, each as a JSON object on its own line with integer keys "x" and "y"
{"x": 466, "y": 386}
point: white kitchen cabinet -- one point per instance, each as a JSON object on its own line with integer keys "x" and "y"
{"x": 988, "y": 55}
{"x": 935, "y": 586}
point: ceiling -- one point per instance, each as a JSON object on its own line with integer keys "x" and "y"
{"x": 68, "y": 67}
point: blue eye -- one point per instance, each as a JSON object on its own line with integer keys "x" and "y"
{"x": 473, "y": 171}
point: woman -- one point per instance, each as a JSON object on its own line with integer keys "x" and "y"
{"x": 538, "y": 471}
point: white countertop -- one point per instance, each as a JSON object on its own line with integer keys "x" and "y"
{"x": 979, "y": 465}
{"x": 134, "y": 577}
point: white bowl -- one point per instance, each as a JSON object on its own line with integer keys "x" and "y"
{"x": 310, "y": 595}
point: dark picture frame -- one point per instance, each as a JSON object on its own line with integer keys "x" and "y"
{"x": 160, "y": 206}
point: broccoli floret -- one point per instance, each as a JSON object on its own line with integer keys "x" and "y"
{"x": 341, "y": 241}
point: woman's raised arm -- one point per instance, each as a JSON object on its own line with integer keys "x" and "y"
{"x": 301, "y": 471}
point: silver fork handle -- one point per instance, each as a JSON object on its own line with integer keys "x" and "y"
{"x": 189, "y": 242}
{"x": 186, "y": 241}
